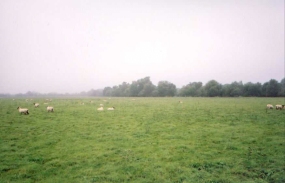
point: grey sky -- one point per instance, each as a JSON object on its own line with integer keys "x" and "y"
{"x": 73, "y": 46}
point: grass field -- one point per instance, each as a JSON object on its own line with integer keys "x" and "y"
{"x": 143, "y": 140}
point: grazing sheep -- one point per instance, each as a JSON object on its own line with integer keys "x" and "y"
{"x": 278, "y": 106}
{"x": 101, "y": 105}
{"x": 269, "y": 106}
{"x": 111, "y": 108}
{"x": 180, "y": 102}
{"x": 49, "y": 109}
{"x": 36, "y": 104}
{"x": 23, "y": 110}
{"x": 100, "y": 109}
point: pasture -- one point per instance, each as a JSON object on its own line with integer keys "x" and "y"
{"x": 143, "y": 140}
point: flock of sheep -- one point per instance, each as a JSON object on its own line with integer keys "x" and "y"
{"x": 50, "y": 108}
{"x": 101, "y": 108}
{"x": 26, "y": 111}
{"x": 277, "y": 107}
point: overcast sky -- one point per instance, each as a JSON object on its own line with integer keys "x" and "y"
{"x": 73, "y": 46}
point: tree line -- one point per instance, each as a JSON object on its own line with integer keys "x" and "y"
{"x": 145, "y": 88}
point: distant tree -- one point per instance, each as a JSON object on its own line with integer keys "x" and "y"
{"x": 271, "y": 88}
{"x": 251, "y": 89}
{"x": 116, "y": 91}
{"x": 134, "y": 89}
{"x": 124, "y": 89}
{"x": 166, "y": 88}
{"x": 213, "y": 88}
{"x": 226, "y": 90}
{"x": 192, "y": 89}
{"x": 264, "y": 89}
{"x": 145, "y": 87}
{"x": 147, "y": 90}
{"x": 107, "y": 91}
{"x": 154, "y": 93}
{"x": 282, "y": 88}
{"x": 236, "y": 89}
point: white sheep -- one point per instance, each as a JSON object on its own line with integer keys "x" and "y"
{"x": 111, "y": 108}
{"x": 101, "y": 105}
{"x": 100, "y": 109}
{"x": 269, "y": 106}
{"x": 180, "y": 102}
{"x": 49, "y": 109}
{"x": 278, "y": 106}
{"x": 23, "y": 110}
{"x": 36, "y": 104}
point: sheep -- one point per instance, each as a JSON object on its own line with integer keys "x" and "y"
{"x": 111, "y": 108}
{"x": 278, "y": 106}
{"x": 100, "y": 109}
{"x": 180, "y": 102}
{"x": 269, "y": 106}
{"x": 36, "y": 104}
{"x": 101, "y": 105}
{"x": 23, "y": 110}
{"x": 49, "y": 109}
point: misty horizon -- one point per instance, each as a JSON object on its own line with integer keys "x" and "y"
{"x": 101, "y": 89}
{"x": 74, "y": 46}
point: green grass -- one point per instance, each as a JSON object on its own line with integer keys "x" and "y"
{"x": 143, "y": 140}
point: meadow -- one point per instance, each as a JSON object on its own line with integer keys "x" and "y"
{"x": 207, "y": 140}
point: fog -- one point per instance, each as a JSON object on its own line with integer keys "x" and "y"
{"x": 73, "y": 46}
